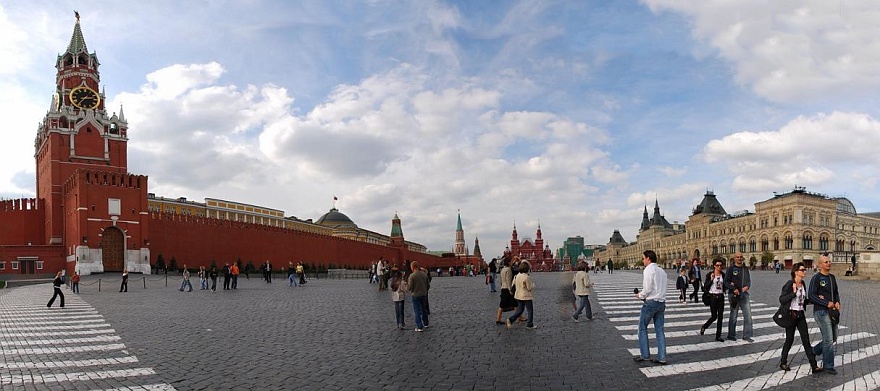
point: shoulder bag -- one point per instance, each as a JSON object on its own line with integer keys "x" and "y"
{"x": 834, "y": 313}
{"x": 782, "y": 317}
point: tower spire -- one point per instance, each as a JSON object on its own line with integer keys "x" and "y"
{"x": 458, "y": 247}
{"x": 77, "y": 42}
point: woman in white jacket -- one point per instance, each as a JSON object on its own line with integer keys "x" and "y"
{"x": 583, "y": 287}
{"x": 523, "y": 294}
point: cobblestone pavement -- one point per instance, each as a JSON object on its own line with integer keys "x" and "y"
{"x": 340, "y": 334}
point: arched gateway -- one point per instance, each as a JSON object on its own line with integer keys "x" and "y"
{"x": 113, "y": 249}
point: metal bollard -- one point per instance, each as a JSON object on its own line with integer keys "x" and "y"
{"x": 145, "y": 283}
{"x": 99, "y": 285}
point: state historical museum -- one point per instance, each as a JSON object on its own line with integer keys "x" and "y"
{"x": 93, "y": 216}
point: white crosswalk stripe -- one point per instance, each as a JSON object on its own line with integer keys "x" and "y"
{"x": 683, "y": 321}
{"x": 68, "y": 347}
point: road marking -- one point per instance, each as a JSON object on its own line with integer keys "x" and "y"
{"x": 32, "y": 342}
{"x": 28, "y": 329}
{"x": 75, "y": 376}
{"x": 70, "y": 363}
{"x": 745, "y": 359}
{"x": 781, "y": 377}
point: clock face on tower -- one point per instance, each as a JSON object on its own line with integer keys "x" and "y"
{"x": 84, "y": 97}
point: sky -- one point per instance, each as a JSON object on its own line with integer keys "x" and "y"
{"x": 571, "y": 115}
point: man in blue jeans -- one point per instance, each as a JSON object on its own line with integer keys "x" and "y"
{"x": 738, "y": 281}
{"x": 824, "y": 295}
{"x": 418, "y": 285}
{"x": 653, "y": 293}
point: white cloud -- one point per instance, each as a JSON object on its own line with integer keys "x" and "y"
{"x": 791, "y": 50}
{"x": 807, "y": 151}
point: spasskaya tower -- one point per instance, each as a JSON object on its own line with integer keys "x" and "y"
{"x": 82, "y": 168}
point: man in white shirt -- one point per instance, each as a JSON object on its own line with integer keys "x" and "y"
{"x": 653, "y": 293}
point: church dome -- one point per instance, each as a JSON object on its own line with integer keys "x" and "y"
{"x": 335, "y": 218}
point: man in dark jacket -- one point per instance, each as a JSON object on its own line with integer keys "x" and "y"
{"x": 418, "y": 285}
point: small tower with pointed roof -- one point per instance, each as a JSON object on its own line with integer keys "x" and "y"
{"x": 459, "y": 246}
{"x": 396, "y": 238}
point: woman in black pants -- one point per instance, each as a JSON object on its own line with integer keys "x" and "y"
{"x": 56, "y": 284}
{"x": 714, "y": 284}
{"x": 793, "y": 298}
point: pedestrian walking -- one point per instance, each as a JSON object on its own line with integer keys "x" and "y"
{"x": 74, "y": 282}
{"x": 124, "y": 286}
{"x": 507, "y": 303}
{"x": 826, "y": 307}
{"x": 417, "y": 284}
{"x": 185, "y": 283}
{"x": 738, "y": 282}
{"x": 653, "y": 294}
{"x": 714, "y": 285}
{"x": 681, "y": 283}
{"x": 291, "y": 274}
{"x": 227, "y": 276}
{"x": 793, "y": 298}
{"x": 398, "y": 296}
{"x": 213, "y": 275}
{"x": 301, "y": 272}
{"x": 56, "y": 286}
{"x": 203, "y": 280}
{"x": 583, "y": 287}
{"x": 233, "y": 270}
{"x": 493, "y": 274}
{"x": 523, "y": 293}
{"x": 696, "y": 278}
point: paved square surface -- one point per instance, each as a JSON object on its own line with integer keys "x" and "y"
{"x": 340, "y": 334}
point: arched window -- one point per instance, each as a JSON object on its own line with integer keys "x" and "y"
{"x": 808, "y": 242}
{"x": 823, "y": 242}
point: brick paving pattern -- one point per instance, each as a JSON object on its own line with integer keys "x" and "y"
{"x": 340, "y": 334}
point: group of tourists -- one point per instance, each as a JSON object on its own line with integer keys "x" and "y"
{"x": 822, "y": 293}
{"x": 416, "y": 283}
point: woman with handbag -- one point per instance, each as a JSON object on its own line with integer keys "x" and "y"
{"x": 714, "y": 285}
{"x": 793, "y": 297}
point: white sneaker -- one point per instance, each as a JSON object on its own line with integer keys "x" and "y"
{"x": 575, "y": 319}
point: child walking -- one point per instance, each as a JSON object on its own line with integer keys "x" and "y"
{"x": 682, "y": 285}
{"x": 398, "y": 296}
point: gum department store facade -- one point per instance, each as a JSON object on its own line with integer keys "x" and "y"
{"x": 793, "y": 227}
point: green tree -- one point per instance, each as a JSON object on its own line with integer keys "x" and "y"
{"x": 767, "y": 257}
{"x": 160, "y": 263}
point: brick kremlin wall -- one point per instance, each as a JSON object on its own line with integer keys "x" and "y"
{"x": 197, "y": 241}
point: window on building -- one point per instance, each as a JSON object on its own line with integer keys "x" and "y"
{"x": 714, "y": 249}
{"x": 39, "y": 265}
{"x": 14, "y": 265}
{"x": 753, "y": 247}
{"x": 765, "y": 245}
{"x": 732, "y": 247}
{"x": 114, "y": 206}
{"x": 2, "y": 265}
{"x": 823, "y": 243}
{"x": 808, "y": 242}
{"x": 789, "y": 242}
{"x": 742, "y": 247}
{"x": 775, "y": 244}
